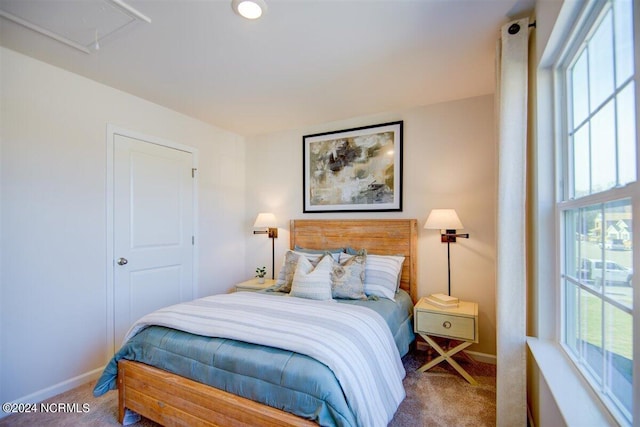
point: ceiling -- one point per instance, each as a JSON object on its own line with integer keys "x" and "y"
{"x": 305, "y": 62}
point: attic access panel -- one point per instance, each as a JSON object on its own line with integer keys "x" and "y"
{"x": 79, "y": 24}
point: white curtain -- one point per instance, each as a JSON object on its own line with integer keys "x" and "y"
{"x": 511, "y": 96}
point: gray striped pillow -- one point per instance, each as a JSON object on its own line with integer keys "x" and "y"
{"x": 381, "y": 274}
{"x": 312, "y": 283}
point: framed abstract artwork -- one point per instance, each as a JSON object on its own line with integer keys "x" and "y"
{"x": 353, "y": 170}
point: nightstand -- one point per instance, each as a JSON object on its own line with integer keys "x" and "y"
{"x": 458, "y": 323}
{"x": 252, "y": 285}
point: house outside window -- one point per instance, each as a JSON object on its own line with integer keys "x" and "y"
{"x": 596, "y": 92}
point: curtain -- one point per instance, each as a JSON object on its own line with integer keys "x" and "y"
{"x": 511, "y": 96}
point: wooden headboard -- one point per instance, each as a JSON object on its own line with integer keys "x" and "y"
{"x": 377, "y": 236}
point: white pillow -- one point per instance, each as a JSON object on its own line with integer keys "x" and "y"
{"x": 381, "y": 274}
{"x": 289, "y": 263}
{"x": 312, "y": 283}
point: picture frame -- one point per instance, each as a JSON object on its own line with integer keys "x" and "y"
{"x": 353, "y": 170}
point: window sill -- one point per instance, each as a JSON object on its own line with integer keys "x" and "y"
{"x": 577, "y": 403}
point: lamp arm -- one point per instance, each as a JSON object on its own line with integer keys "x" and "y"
{"x": 450, "y": 236}
{"x": 271, "y": 233}
{"x": 464, "y": 236}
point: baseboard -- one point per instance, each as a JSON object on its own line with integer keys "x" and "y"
{"x": 56, "y": 389}
{"x": 482, "y": 357}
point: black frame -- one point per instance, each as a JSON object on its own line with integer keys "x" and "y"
{"x": 374, "y": 189}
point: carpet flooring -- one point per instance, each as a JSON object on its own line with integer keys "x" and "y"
{"x": 438, "y": 397}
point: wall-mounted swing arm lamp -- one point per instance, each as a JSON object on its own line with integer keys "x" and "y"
{"x": 447, "y": 221}
{"x": 268, "y": 220}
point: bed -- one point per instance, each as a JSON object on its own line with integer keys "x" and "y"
{"x": 160, "y": 394}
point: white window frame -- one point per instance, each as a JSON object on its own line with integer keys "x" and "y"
{"x": 590, "y": 15}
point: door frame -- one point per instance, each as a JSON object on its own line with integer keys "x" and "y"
{"x": 112, "y": 132}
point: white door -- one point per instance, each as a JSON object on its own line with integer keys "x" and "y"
{"x": 153, "y": 229}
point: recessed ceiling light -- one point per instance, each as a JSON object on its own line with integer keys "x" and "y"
{"x": 250, "y": 9}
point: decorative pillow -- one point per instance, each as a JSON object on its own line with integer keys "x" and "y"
{"x": 312, "y": 283}
{"x": 351, "y": 251}
{"x": 381, "y": 274}
{"x": 347, "y": 278}
{"x": 285, "y": 276}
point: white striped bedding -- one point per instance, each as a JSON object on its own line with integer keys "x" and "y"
{"x": 354, "y": 342}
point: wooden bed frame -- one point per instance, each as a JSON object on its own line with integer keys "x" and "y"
{"x": 172, "y": 400}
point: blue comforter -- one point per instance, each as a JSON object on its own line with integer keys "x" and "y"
{"x": 283, "y": 379}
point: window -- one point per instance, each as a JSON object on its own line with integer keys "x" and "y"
{"x": 598, "y": 188}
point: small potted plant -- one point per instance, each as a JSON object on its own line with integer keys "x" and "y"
{"x": 260, "y": 273}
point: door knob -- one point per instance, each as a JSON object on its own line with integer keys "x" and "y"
{"x": 122, "y": 261}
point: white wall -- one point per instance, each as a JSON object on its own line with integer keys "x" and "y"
{"x": 52, "y": 278}
{"x": 52, "y": 210}
{"x": 449, "y": 162}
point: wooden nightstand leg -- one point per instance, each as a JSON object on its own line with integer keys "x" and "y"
{"x": 431, "y": 364}
{"x": 461, "y": 370}
{"x": 435, "y": 361}
{"x": 447, "y": 355}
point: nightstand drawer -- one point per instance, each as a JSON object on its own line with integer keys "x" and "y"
{"x": 446, "y": 325}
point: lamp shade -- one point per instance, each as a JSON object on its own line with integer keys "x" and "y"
{"x": 265, "y": 220}
{"x": 443, "y": 219}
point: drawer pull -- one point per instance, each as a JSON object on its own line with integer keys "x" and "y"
{"x": 446, "y": 324}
